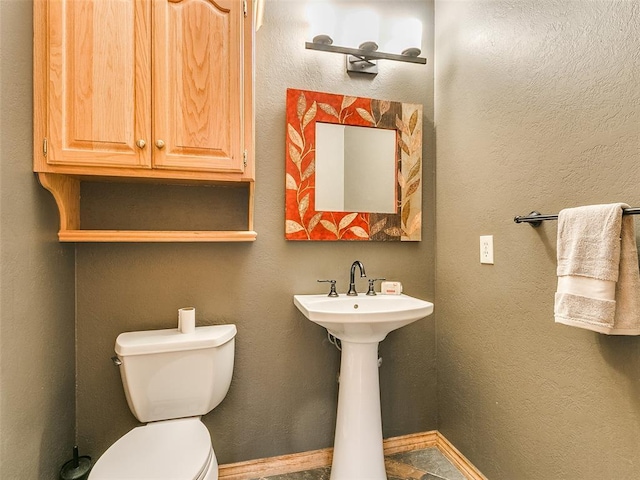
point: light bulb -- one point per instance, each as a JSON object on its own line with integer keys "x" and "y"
{"x": 406, "y": 37}
{"x": 322, "y": 22}
{"x": 363, "y": 29}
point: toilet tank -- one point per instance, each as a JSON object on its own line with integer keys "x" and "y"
{"x": 168, "y": 374}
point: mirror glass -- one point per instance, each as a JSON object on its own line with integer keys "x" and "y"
{"x": 355, "y": 169}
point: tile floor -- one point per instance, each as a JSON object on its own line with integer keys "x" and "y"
{"x": 427, "y": 464}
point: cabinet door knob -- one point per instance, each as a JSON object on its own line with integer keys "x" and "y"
{"x": 141, "y": 143}
{"x": 160, "y": 144}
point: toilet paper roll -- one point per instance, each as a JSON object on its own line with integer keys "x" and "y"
{"x": 187, "y": 319}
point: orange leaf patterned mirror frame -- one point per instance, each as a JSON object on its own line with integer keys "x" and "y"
{"x": 303, "y": 222}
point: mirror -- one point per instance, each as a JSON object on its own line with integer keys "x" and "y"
{"x": 364, "y": 183}
{"x": 353, "y": 168}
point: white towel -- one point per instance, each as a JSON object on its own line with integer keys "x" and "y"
{"x": 598, "y": 273}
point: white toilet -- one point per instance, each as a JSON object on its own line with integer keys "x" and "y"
{"x": 170, "y": 379}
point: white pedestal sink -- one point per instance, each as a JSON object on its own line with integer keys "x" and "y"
{"x": 360, "y": 322}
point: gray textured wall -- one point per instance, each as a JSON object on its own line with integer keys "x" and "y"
{"x": 36, "y": 282}
{"x": 538, "y": 107}
{"x": 283, "y": 394}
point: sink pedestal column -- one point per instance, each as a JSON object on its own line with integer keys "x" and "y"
{"x": 357, "y": 452}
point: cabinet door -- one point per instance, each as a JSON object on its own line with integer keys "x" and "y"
{"x": 99, "y": 82}
{"x": 198, "y": 84}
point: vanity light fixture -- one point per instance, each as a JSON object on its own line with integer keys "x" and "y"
{"x": 362, "y": 29}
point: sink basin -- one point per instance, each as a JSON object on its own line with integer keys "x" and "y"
{"x": 362, "y": 318}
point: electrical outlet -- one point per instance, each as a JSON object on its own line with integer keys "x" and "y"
{"x": 486, "y": 249}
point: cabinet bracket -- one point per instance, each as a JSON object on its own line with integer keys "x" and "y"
{"x": 66, "y": 192}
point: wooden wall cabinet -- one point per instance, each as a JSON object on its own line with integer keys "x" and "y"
{"x": 142, "y": 90}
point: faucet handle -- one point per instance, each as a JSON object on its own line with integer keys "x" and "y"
{"x": 371, "y": 290}
{"x": 332, "y": 292}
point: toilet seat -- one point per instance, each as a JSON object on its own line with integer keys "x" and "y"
{"x": 166, "y": 450}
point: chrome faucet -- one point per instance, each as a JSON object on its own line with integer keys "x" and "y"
{"x": 352, "y": 281}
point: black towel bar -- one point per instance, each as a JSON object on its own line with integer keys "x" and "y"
{"x": 536, "y": 218}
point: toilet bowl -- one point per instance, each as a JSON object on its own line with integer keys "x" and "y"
{"x": 170, "y": 380}
{"x": 168, "y": 450}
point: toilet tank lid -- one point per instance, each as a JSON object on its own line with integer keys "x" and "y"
{"x": 172, "y": 340}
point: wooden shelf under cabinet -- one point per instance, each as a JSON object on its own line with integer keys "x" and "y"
{"x": 155, "y": 236}
{"x": 66, "y": 192}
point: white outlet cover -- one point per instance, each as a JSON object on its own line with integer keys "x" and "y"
{"x": 486, "y": 249}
